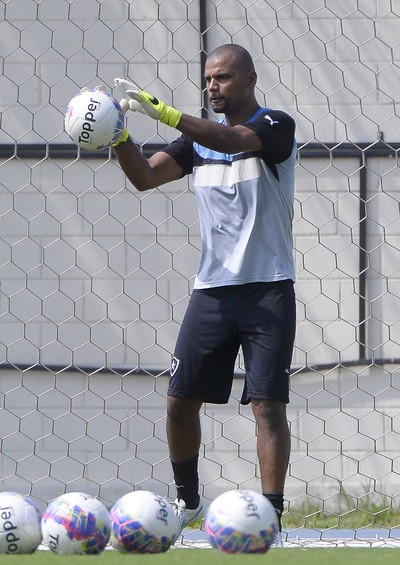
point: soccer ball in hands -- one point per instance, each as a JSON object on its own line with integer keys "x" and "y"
{"x": 94, "y": 120}
{"x": 76, "y": 523}
{"x": 143, "y": 522}
{"x": 241, "y": 521}
{"x": 19, "y": 524}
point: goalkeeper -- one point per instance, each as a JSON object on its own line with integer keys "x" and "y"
{"x": 243, "y": 296}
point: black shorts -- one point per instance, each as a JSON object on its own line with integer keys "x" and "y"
{"x": 260, "y": 318}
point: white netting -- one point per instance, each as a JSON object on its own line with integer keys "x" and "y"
{"x": 95, "y": 276}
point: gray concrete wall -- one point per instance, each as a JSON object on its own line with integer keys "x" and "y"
{"x": 105, "y": 434}
{"x": 97, "y": 276}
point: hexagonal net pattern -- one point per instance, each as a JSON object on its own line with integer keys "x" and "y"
{"x": 95, "y": 276}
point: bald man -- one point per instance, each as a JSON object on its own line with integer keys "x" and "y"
{"x": 243, "y": 296}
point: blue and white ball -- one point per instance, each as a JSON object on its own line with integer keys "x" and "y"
{"x": 19, "y": 524}
{"x": 143, "y": 522}
{"x": 241, "y": 521}
{"x": 94, "y": 120}
{"x": 76, "y": 523}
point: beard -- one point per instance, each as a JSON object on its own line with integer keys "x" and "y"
{"x": 219, "y": 106}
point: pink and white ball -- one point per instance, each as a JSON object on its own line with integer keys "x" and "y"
{"x": 241, "y": 521}
{"x": 76, "y": 523}
{"x": 143, "y": 522}
{"x": 19, "y": 524}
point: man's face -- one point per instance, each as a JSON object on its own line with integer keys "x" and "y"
{"x": 227, "y": 85}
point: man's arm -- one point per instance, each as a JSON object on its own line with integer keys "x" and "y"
{"x": 144, "y": 173}
{"x": 216, "y": 136}
{"x": 219, "y": 137}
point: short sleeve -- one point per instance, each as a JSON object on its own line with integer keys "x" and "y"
{"x": 276, "y": 129}
{"x": 181, "y": 149}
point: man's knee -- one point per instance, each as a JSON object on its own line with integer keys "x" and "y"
{"x": 269, "y": 411}
{"x": 181, "y": 409}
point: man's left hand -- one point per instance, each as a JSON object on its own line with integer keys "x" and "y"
{"x": 146, "y": 103}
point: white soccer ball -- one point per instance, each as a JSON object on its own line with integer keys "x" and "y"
{"x": 94, "y": 120}
{"x": 143, "y": 522}
{"x": 76, "y": 523}
{"x": 19, "y": 524}
{"x": 241, "y": 521}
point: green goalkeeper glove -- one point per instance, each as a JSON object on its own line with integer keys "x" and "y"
{"x": 122, "y": 138}
{"x": 141, "y": 101}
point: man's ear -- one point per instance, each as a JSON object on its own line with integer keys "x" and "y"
{"x": 252, "y": 78}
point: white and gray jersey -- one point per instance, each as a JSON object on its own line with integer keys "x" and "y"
{"x": 245, "y": 202}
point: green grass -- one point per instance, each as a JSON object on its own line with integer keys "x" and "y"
{"x": 364, "y": 511}
{"x": 374, "y": 517}
{"x": 298, "y": 556}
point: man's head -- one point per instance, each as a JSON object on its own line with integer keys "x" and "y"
{"x": 231, "y": 79}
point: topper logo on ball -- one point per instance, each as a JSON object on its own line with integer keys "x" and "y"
{"x": 252, "y": 508}
{"x": 87, "y": 128}
{"x": 162, "y": 513}
{"x": 8, "y": 526}
{"x": 54, "y": 542}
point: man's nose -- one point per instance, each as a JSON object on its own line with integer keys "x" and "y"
{"x": 213, "y": 84}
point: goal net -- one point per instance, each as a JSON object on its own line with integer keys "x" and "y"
{"x": 95, "y": 277}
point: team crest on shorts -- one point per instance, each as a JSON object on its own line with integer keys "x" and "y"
{"x": 174, "y": 365}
